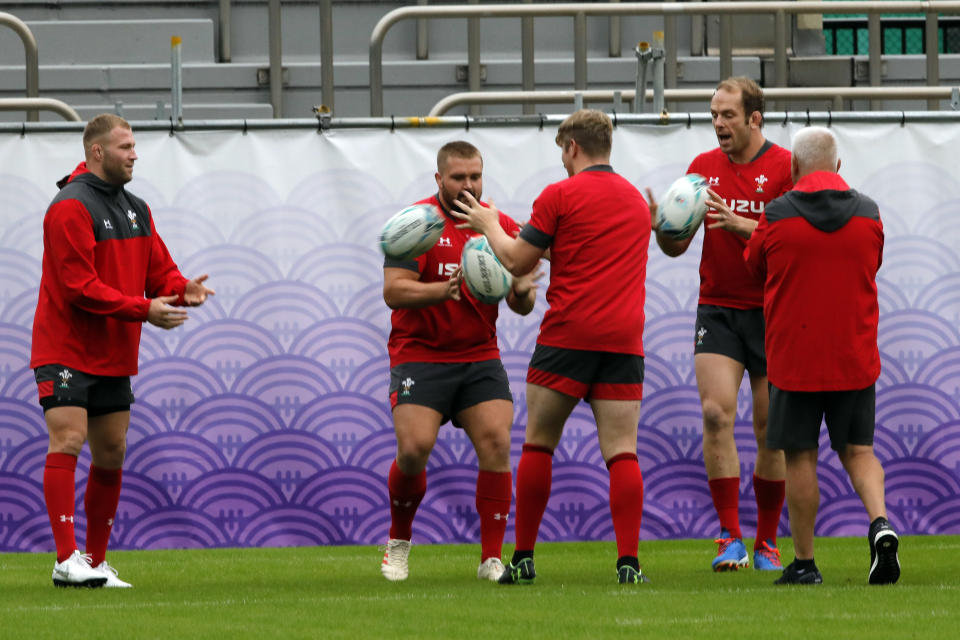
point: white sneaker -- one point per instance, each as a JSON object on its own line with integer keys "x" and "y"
{"x": 76, "y": 571}
{"x": 490, "y": 569}
{"x": 394, "y": 566}
{"x": 111, "y": 574}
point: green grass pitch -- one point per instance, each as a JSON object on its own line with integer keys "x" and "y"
{"x": 337, "y": 592}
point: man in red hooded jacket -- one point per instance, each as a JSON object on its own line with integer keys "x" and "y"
{"x": 105, "y": 272}
{"x": 817, "y": 250}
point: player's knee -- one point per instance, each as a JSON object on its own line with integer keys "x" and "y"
{"x": 494, "y": 450}
{"x": 109, "y": 455}
{"x": 412, "y": 456}
{"x": 716, "y": 418}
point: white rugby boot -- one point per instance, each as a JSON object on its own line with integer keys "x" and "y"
{"x": 76, "y": 571}
{"x": 490, "y": 569}
{"x": 394, "y": 566}
{"x": 111, "y": 575}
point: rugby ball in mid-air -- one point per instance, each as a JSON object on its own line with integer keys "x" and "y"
{"x": 682, "y": 208}
{"x": 411, "y": 232}
{"x": 483, "y": 274}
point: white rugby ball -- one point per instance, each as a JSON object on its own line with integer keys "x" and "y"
{"x": 682, "y": 208}
{"x": 411, "y": 232}
{"x": 483, "y": 274}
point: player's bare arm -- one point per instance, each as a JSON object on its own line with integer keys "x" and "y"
{"x": 402, "y": 289}
{"x": 195, "y": 293}
{"x": 724, "y": 218}
{"x": 516, "y": 254}
{"x": 668, "y": 245}
{"x": 523, "y": 293}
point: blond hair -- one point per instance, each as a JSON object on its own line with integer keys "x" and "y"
{"x": 100, "y": 126}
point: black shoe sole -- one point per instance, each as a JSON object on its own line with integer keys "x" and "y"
{"x": 92, "y": 583}
{"x": 886, "y": 564}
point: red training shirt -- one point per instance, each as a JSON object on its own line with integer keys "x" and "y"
{"x": 817, "y": 251}
{"x": 746, "y": 188}
{"x": 597, "y": 227}
{"x": 452, "y": 331}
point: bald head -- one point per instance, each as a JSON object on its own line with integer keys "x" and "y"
{"x": 814, "y": 149}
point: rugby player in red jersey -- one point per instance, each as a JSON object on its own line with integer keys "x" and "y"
{"x": 596, "y": 226}
{"x": 445, "y": 365}
{"x": 101, "y": 255}
{"x": 816, "y": 251}
{"x": 746, "y": 171}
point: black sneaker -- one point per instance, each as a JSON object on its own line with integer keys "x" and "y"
{"x": 884, "y": 562}
{"x": 628, "y": 575}
{"x": 520, "y": 573}
{"x": 795, "y": 575}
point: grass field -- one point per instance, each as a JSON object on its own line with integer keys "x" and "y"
{"x": 337, "y": 592}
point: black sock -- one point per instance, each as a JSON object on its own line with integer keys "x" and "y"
{"x": 806, "y": 565}
{"x": 520, "y": 555}
{"x": 628, "y": 561}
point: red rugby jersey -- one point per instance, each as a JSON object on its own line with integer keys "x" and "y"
{"x": 452, "y": 331}
{"x": 597, "y": 227}
{"x": 746, "y": 188}
{"x": 102, "y": 260}
{"x": 817, "y": 251}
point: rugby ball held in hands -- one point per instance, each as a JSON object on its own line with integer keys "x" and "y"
{"x": 683, "y": 206}
{"x": 483, "y": 274}
{"x": 411, "y": 232}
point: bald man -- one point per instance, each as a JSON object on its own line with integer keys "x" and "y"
{"x": 817, "y": 250}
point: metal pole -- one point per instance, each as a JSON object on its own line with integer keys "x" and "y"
{"x": 473, "y": 58}
{"x": 31, "y": 59}
{"x": 225, "y": 30}
{"x": 873, "y": 35}
{"x": 526, "y": 58}
{"x": 658, "y": 72}
{"x": 779, "y": 51}
{"x": 615, "y": 35}
{"x": 726, "y": 46}
{"x": 423, "y": 35}
{"x": 643, "y": 54}
{"x": 276, "y": 57}
{"x": 326, "y": 53}
{"x": 670, "y": 49}
{"x": 176, "y": 79}
{"x": 933, "y": 57}
{"x": 580, "y": 51}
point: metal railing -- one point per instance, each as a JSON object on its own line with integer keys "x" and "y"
{"x": 691, "y": 95}
{"x": 32, "y": 61}
{"x": 669, "y": 10}
{"x": 34, "y": 105}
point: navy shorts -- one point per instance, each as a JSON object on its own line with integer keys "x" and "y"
{"x": 60, "y": 386}
{"x": 448, "y": 387}
{"x": 735, "y": 333}
{"x": 795, "y": 418}
{"x": 592, "y": 375}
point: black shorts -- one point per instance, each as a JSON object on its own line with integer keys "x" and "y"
{"x": 795, "y": 418}
{"x": 60, "y": 386}
{"x": 735, "y": 333}
{"x": 448, "y": 387}
{"x": 591, "y": 375}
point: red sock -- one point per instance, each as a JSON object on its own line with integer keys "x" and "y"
{"x": 726, "y": 500}
{"x": 494, "y": 491}
{"x": 770, "y": 495}
{"x": 58, "y": 493}
{"x": 100, "y": 503}
{"x": 534, "y": 476}
{"x": 626, "y": 502}
{"x": 406, "y": 492}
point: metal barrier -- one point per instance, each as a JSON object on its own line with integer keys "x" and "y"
{"x": 669, "y": 11}
{"x": 35, "y": 105}
{"x": 689, "y": 95}
{"x": 32, "y": 60}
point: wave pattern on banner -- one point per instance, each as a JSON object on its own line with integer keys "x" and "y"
{"x": 264, "y": 421}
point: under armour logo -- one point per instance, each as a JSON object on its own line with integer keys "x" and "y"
{"x": 407, "y": 504}
{"x": 66, "y": 518}
{"x": 501, "y": 516}
{"x": 444, "y": 242}
{"x": 106, "y": 224}
{"x": 109, "y": 522}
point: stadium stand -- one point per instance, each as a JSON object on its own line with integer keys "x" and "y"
{"x": 115, "y": 55}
